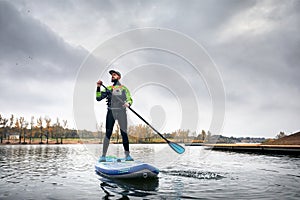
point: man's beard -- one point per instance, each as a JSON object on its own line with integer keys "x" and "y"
{"x": 114, "y": 80}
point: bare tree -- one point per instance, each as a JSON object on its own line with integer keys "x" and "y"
{"x": 181, "y": 134}
{"x": 65, "y": 122}
{"x": 184, "y": 135}
{"x": 47, "y": 120}
{"x": 194, "y": 134}
{"x": 149, "y": 133}
{"x": 17, "y": 125}
{"x": 209, "y": 137}
{"x": 3, "y": 123}
{"x": 22, "y": 123}
{"x": 99, "y": 131}
{"x": 11, "y": 123}
{"x": 117, "y": 132}
{"x": 203, "y": 135}
{"x": 140, "y": 132}
{"x": 40, "y": 126}
{"x": 57, "y": 130}
{"x": 31, "y": 129}
{"x": 24, "y": 132}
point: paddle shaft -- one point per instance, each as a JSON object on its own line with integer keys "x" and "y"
{"x": 148, "y": 124}
{"x": 141, "y": 118}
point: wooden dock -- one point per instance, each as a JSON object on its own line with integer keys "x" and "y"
{"x": 255, "y": 148}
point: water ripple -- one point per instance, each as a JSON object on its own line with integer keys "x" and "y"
{"x": 193, "y": 174}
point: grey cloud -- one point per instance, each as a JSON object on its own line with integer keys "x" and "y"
{"x": 37, "y": 66}
{"x": 265, "y": 59}
{"x": 31, "y": 49}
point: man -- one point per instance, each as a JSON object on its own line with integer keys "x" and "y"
{"x": 118, "y": 99}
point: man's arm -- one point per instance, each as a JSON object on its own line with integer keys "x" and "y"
{"x": 100, "y": 94}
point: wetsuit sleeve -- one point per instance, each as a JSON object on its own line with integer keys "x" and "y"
{"x": 101, "y": 94}
{"x": 128, "y": 96}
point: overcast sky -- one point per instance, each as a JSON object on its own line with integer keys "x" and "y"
{"x": 255, "y": 46}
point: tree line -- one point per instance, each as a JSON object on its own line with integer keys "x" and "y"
{"x": 142, "y": 133}
{"x": 44, "y": 128}
{"x": 22, "y": 131}
{"x": 25, "y": 131}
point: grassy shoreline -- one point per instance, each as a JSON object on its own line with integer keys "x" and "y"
{"x": 50, "y": 141}
{"x": 36, "y": 141}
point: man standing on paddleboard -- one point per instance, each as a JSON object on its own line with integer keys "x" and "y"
{"x": 118, "y": 99}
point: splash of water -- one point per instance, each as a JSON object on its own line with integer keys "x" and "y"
{"x": 193, "y": 174}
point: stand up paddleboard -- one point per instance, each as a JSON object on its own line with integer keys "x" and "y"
{"x": 119, "y": 168}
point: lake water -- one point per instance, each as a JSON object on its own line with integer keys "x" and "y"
{"x": 67, "y": 172}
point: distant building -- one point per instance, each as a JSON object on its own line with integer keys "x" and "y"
{"x": 14, "y": 136}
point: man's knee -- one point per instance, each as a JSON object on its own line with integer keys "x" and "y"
{"x": 124, "y": 136}
{"x": 108, "y": 133}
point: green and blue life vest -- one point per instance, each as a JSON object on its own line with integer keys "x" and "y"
{"x": 113, "y": 96}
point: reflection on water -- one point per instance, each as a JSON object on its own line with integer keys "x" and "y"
{"x": 134, "y": 188}
{"x": 67, "y": 171}
{"x": 132, "y": 184}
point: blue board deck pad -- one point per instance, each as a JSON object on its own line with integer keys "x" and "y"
{"x": 119, "y": 168}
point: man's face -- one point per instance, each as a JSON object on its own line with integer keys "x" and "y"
{"x": 115, "y": 77}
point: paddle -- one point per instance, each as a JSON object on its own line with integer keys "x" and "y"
{"x": 176, "y": 147}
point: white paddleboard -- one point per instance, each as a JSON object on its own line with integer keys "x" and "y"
{"x": 119, "y": 168}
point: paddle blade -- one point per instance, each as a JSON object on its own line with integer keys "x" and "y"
{"x": 176, "y": 147}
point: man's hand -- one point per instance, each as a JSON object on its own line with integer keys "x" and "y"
{"x": 126, "y": 105}
{"x": 99, "y": 83}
